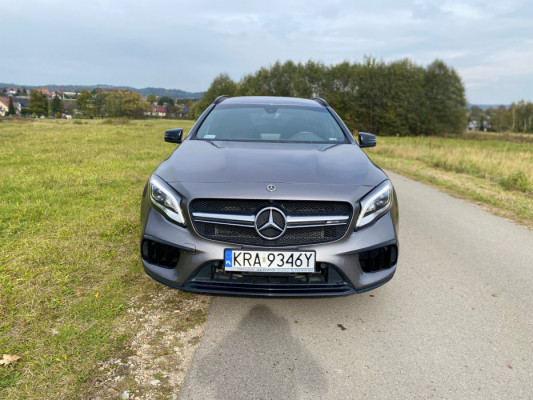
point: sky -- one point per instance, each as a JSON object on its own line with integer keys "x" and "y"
{"x": 185, "y": 44}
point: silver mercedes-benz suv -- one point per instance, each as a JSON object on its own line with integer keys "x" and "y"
{"x": 269, "y": 196}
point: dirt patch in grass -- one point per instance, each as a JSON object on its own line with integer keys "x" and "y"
{"x": 168, "y": 326}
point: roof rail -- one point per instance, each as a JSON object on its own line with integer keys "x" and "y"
{"x": 321, "y": 101}
{"x": 220, "y": 99}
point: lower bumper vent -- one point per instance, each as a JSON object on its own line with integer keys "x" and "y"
{"x": 378, "y": 259}
{"x": 328, "y": 281}
{"x": 160, "y": 254}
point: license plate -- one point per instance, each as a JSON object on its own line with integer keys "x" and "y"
{"x": 269, "y": 261}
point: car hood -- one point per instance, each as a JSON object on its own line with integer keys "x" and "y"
{"x": 199, "y": 161}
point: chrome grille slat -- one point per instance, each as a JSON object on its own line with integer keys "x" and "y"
{"x": 227, "y": 219}
{"x": 292, "y": 221}
{"x": 316, "y": 220}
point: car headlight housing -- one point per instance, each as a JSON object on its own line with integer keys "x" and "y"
{"x": 375, "y": 204}
{"x": 165, "y": 200}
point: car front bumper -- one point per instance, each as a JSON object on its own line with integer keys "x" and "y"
{"x": 362, "y": 260}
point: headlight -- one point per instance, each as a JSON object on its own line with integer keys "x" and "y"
{"x": 165, "y": 200}
{"x": 375, "y": 204}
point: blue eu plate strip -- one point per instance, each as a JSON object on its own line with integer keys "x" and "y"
{"x": 227, "y": 258}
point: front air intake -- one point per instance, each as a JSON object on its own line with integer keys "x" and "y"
{"x": 159, "y": 254}
{"x": 377, "y": 259}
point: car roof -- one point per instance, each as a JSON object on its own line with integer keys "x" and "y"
{"x": 272, "y": 100}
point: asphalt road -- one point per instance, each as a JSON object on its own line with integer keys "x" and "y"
{"x": 456, "y": 322}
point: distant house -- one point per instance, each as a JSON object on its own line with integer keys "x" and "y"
{"x": 44, "y": 91}
{"x": 156, "y": 111}
{"x": 4, "y": 106}
{"x": 69, "y": 95}
{"x": 160, "y": 111}
{"x": 184, "y": 112}
{"x": 472, "y": 126}
{"x": 20, "y": 103}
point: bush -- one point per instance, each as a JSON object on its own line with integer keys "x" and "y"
{"x": 516, "y": 181}
{"x": 116, "y": 121}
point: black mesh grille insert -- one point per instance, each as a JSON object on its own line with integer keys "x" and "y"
{"x": 378, "y": 259}
{"x": 327, "y": 280}
{"x": 248, "y": 235}
{"x": 160, "y": 254}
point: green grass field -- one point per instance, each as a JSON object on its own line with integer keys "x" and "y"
{"x": 493, "y": 170}
{"x": 69, "y": 259}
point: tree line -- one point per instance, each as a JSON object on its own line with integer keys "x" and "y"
{"x": 115, "y": 103}
{"x": 516, "y": 118}
{"x": 41, "y": 105}
{"x": 386, "y": 98}
{"x": 91, "y": 104}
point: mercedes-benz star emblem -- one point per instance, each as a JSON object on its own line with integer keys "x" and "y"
{"x": 270, "y": 223}
{"x": 271, "y": 188}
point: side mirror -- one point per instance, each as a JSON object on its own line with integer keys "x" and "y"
{"x": 174, "y": 135}
{"x": 366, "y": 139}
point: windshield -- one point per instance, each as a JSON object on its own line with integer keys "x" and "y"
{"x": 280, "y": 123}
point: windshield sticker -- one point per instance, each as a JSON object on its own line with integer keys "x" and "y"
{"x": 210, "y": 136}
{"x": 333, "y": 138}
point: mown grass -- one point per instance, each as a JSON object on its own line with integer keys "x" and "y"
{"x": 69, "y": 230}
{"x": 493, "y": 170}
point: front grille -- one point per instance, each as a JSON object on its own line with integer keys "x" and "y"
{"x": 291, "y": 207}
{"x": 247, "y": 235}
{"x": 212, "y": 278}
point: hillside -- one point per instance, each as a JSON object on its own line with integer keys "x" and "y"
{"x": 176, "y": 93}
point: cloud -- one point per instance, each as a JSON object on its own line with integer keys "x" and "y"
{"x": 186, "y": 44}
{"x": 462, "y": 10}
